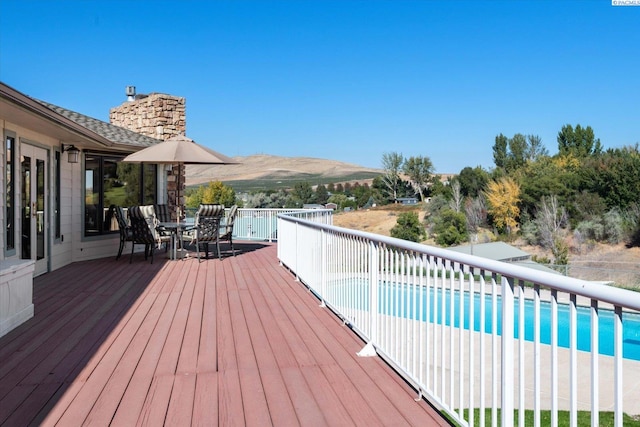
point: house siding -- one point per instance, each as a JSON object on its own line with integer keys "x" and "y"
{"x": 72, "y": 246}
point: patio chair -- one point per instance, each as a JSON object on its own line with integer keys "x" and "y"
{"x": 143, "y": 230}
{"x": 227, "y": 232}
{"x": 207, "y": 228}
{"x": 123, "y": 226}
{"x": 162, "y": 212}
{"x": 163, "y": 215}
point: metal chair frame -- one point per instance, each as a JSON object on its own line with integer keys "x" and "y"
{"x": 227, "y": 233}
{"x": 143, "y": 229}
{"x": 207, "y": 228}
{"x": 123, "y": 226}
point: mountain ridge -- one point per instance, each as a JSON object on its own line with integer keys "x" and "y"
{"x": 267, "y": 166}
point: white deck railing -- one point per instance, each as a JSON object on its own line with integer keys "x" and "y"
{"x": 261, "y": 224}
{"x": 408, "y": 302}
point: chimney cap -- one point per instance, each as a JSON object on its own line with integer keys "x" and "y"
{"x": 130, "y": 91}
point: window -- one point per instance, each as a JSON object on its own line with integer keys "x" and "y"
{"x": 108, "y": 182}
{"x": 10, "y": 194}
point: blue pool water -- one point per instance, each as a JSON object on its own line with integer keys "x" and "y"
{"x": 394, "y": 300}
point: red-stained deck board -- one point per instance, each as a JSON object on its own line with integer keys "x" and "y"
{"x": 250, "y": 382}
{"x": 280, "y": 406}
{"x": 181, "y": 403}
{"x": 231, "y": 342}
{"x": 205, "y": 405}
{"x": 207, "y": 355}
{"x": 188, "y": 360}
{"x": 157, "y": 400}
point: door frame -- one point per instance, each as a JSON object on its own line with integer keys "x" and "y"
{"x": 37, "y": 152}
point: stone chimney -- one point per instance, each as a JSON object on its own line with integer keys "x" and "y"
{"x": 159, "y": 116}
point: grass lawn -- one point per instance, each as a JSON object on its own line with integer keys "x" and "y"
{"x": 584, "y": 418}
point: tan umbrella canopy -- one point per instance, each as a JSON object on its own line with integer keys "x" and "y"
{"x": 179, "y": 150}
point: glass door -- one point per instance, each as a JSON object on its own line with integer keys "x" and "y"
{"x": 33, "y": 165}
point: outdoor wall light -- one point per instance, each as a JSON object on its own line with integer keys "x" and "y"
{"x": 73, "y": 152}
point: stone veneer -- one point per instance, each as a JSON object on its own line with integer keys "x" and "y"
{"x": 159, "y": 116}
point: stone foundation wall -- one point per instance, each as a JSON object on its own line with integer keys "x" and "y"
{"x": 159, "y": 116}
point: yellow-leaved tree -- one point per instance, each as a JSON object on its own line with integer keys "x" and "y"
{"x": 503, "y": 197}
{"x": 216, "y": 192}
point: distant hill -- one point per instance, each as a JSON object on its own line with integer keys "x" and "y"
{"x": 263, "y": 171}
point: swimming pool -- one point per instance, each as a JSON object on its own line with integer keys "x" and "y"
{"x": 397, "y": 300}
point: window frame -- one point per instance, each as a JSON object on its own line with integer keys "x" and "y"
{"x": 91, "y": 157}
{"x": 10, "y": 196}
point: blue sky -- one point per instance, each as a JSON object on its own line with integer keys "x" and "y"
{"x": 342, "y": 80}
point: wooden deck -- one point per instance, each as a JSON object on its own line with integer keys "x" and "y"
{"x": 231, "y": 342}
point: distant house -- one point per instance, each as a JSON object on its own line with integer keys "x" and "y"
{"x": 500, "y": 251}
{"x": 407, "y": 200}
{"x": 312, "y": 206}
{"x": 331, "y": 206}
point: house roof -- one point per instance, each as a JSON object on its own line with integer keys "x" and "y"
{"x": 111, "y": 132}
{"x": 66, "y": 125}
{"x": 498, "y": 251}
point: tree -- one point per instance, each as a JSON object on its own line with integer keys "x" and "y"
{"x": 419, "y": 170}
{"x": 276, "y": 199}
{"x": 456, "y": 201}
{"x": 450, "y": 228}
{"x": 547, "y": 177}
{"x": 535, "y": 150}
{"x": 615, "y": 176}
{"x": 517, "y": 152}
{"x": 475, "y": 212}
{"x": 500, "y": 151}
{"x": 472, "y": 181}
{"x": 342, "y": 201}
{"x": 510, "y": 154}
{"x": 408, "y": 227}
{"x": 391, "y": 164}
{"x": 551, "y": 218}
{"x": 214, "y": 193}
{"x": 218, "y": 193}
{"x": 362, "y": 193}
{"x": 322, "y": 194}
{"x": 503, "y": 197}
{"x": 302, "y": 193}
{"x": 581, "y": 142}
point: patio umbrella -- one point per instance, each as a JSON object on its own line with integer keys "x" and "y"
{"x": 179, "y": 150}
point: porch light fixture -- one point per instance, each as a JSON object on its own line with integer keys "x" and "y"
{"x": 73, "y": 152}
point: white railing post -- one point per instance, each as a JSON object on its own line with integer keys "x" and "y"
{"x": 617, "y": 370}
{"x": 323, "y": 267}
{"x": 507, "y": 352}
{"x": 369, "y": 349}
{"x": 595, "y": 376}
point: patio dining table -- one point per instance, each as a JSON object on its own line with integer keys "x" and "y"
{"x": 177, "y": 229}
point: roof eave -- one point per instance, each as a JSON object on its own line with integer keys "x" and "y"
{"x": 26, "y": 103}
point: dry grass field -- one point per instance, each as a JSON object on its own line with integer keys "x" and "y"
{"x": 261, "y": 166}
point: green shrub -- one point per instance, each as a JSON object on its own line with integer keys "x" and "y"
{"x": 408, "y": 227}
